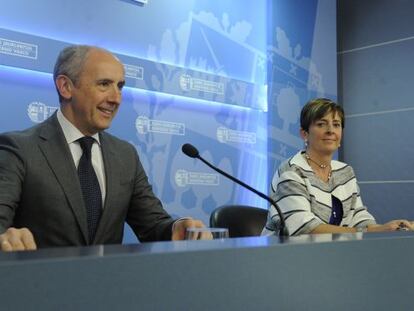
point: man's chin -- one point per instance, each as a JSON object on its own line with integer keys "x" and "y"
{"x": 102, "y": 126}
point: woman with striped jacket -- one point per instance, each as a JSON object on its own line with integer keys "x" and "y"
{"x": 315, "y": 193}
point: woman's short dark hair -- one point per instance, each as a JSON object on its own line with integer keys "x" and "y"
{"x": 316, "y": 109}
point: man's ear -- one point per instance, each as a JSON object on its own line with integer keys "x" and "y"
{"x": 64, "y": 86}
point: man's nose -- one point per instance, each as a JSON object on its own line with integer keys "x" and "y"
{"x": 115, "y": 95}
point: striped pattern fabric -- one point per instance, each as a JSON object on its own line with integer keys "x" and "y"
{"x": 306, "y": 201}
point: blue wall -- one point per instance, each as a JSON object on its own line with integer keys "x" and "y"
{"x": 228, "y": 76}
{"x": 301, "y": 66}
{"x": 375, "y": 55}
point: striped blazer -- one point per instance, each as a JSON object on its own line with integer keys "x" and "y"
{"x": 306, "y": 201}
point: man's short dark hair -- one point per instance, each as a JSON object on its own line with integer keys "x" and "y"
{"x": 70, "y": 63}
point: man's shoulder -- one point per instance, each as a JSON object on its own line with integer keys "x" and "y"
{"x": 50, "y": 124}
{"x": 25, "y": 135}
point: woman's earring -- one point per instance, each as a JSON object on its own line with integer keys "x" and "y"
{"x": 306, "y": 143}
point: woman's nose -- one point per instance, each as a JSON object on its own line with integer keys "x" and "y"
{"x": 329, "y": 128}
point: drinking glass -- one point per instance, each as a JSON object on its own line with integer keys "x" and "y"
{"x": 206, "y": 233}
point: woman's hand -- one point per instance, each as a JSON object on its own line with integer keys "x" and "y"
{"x": 393, "y": 225}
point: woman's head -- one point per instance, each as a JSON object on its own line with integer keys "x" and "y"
{"x": 322, "y": 121}
{"x": 316, "y": 109}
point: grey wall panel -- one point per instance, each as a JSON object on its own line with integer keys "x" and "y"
{"x": 367, "y": 22}
{"x": 379, "y": 78}
{"x": 388, "y": 201}
{"x": 380, "y": 147}
{"x": 376, "y": 47}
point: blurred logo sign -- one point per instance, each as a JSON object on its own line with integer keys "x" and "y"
{"x": 145, "y": 125}
{"x": 134, "y": 72}
{"x": 188, "y": 83}
{"x": 227, "y": 135}
{"x": 183, "y": 178}
{"x": 38, "y": 112}
{"x": 16, "y": 48}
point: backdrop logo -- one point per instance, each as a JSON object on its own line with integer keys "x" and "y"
{"x": 16, "y": 48}
{"x": 227, "y": 135}
{"x": 134, "y": 72}
{"x": 38, "y": 112}
{"x": 145, "y": 125}
{"x": 188, "y": 83}
{"x": 184, "y": 178}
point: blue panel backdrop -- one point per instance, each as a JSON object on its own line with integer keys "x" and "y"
{"x": 301, "y": 66}
{"x": 228, "y": 76}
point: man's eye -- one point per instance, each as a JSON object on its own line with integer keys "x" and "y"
{"x": 104, "y": 84}
{"x": 121, "y": 85}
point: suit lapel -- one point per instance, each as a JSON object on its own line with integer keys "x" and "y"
{"x": 112, "y": 173}
{"x": 56, "y": 151}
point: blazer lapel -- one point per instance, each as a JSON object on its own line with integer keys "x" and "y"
{"x": 57, "y": 153}
{"x": 111, "y": 163}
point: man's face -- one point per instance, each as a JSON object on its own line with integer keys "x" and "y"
{"x": 96, "y": 97}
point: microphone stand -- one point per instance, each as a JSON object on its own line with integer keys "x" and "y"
{"x": 195, "y": 154}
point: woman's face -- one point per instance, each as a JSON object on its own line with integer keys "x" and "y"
{"x": 324, "y": 136}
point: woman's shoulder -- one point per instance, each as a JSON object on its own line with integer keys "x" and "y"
{"x": 338, "y": 166}
{"x": 343, "y": 173}
{"x": 295, "y": 165}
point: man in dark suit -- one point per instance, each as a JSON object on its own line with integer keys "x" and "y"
{"x": 43, "y": 198}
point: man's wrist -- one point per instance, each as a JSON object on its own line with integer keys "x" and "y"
{"x": 178, "y": 220}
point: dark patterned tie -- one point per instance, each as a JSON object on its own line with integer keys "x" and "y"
{"x": 90, "y": 186}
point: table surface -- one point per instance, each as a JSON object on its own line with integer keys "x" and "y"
{"x": 372, "y": 271}
{"x": 189, "y": 246}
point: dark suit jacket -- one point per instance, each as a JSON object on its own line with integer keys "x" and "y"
{"x": 40, "y": 190}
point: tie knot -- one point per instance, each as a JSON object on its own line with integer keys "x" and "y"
{"x": 86, "y": 143}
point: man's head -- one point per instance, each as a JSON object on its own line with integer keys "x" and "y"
{"x": 89, "y": 81}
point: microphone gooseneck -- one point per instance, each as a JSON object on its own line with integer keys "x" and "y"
{"x": 192, "y": 152}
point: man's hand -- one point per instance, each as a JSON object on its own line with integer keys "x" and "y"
{"x": 17, "y": 240}
{"x": 181, "y": 225}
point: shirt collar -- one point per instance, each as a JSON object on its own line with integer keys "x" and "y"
{"x": 70, "y": 131}
{"x": 300, "y": 160}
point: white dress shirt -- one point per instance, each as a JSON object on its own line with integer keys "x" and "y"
{"x": 72, "y": 134}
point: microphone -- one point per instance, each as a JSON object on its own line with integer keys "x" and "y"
{"x": 192, "y": 152}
